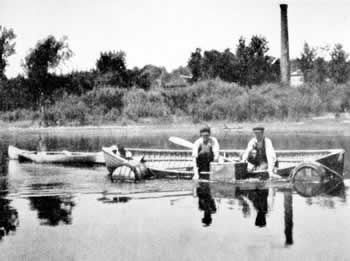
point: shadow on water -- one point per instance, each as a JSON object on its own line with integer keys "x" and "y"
{"x": 53, "y": 210}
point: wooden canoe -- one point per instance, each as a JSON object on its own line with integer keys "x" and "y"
{"x": 59, "y": 157}
{"x": 165, "y": 163}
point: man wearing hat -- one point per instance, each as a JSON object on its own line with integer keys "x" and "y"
{"x": 260, "y": 153}
{"x": 205, "y": 150}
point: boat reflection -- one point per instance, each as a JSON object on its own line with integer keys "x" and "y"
{"x": 53, "y": 210}
{"x": 113, "y": 200}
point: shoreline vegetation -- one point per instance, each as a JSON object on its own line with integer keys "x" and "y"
{"x": 203, "y": 101}
{"x": 239, "y": 85}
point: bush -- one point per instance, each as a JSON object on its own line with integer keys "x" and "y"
{"x": 19, "y": 115}
{"x": 71, "y": 109}
{"x": 142, "y": 104}
{"x": 338, "y": 98}
{"x": 112, "y": 115}
{"x": 108, "y": 96}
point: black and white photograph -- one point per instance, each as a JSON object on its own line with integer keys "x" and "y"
{"x": 179, "y": 130}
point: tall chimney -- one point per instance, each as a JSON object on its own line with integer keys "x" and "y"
{"x": 285, "y": 66}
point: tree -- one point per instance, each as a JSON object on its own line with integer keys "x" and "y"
{"x": 7, "y": 48}
{"x": 141, "y": 78}
{"x": 150, "y": 75}
{"x": 15, "y": 94}
{"x": 111, "y": 62}
{"x": 258, "y": 60}
{"x": 306, "y": 61}
{"x": 254, "y": 64}
{"x": 195, "y": 65}
{"x": 228, "y": 67}
{"x": 181, "y": 70}
{"x": 112, "y": 69}
{"x": 338, "y": 65}
{"x": 211, "y": 64}
{"x": 242, "y": 54}
{"x": 47, "y": 55}
{"x": 319, "y": 70}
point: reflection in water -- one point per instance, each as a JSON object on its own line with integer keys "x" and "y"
{"x": 327, "y": 195}
{"x": 118, "y": 199}
{"x": 244, "y": 205}
{"x": 259, "y": 199}
{"x": 288, "y": 217}
{"x": 311, "y": 184}
{"x": 53, "y": 210}
{"x": 8, "y": 217}
{"x": 206, "y": 202}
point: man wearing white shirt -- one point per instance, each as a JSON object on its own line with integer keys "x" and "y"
{"x": 260, "y": 153}
{"x": 205, "y": 150}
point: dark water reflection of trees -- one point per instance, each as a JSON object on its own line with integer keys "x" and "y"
{"x": 53, "y": 210}
{"x": 9, "y": 219}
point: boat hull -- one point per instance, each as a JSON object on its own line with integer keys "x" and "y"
{"x": 178, "y": 163}
{"x": 56, "y": 157}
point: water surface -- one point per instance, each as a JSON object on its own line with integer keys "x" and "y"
{"x": 50, "y": 212}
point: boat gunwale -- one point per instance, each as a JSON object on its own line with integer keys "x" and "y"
{"x": 237, "y": 150}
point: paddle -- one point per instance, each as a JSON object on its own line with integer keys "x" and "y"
{"x": 181, "y": 142}
{"x": 189, "y": 145}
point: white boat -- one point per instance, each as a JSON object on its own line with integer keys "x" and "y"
{"x": 60, "y": 157}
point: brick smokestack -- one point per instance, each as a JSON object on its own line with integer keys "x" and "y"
{"x": 284, "y": 62}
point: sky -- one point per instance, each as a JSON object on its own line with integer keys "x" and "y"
{"x": 164, "y": 32}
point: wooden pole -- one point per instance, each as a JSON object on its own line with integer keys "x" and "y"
{"x": 285, "y": 66}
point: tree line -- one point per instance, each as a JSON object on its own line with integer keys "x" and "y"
{"x": 247, "y": 65}
{"x": 316, "y": 68}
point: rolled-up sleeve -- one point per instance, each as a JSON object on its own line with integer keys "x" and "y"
{"x": 270, "y": 154}
{"x": 195, "y": 148}
{"x": 216, "y": 148}
{"x": 248, "y": 149}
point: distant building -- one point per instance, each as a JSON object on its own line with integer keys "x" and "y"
{"x": 180, "y": 81}
{"x": 296, "y": 78}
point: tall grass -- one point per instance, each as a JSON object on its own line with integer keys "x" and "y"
{"x": 141, "y": 104}
{"x": 202, "y": 101}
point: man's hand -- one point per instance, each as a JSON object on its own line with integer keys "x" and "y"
{"x": 274, "y": 175}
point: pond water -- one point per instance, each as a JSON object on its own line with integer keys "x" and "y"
{"x": 50, "y": 212}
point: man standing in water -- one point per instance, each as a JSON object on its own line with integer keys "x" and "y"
{"x": 205, "y": 150}
{"x": 260, "y": 153}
